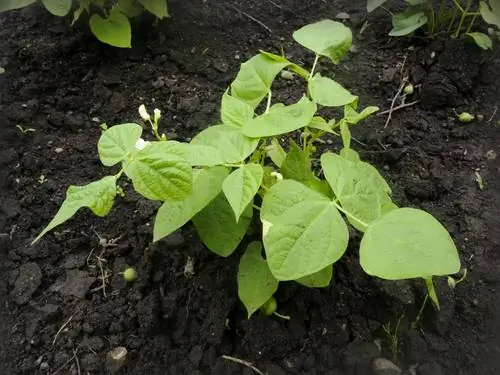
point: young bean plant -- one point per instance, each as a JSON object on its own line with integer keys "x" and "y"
{"x": 109, "y": 20}
{"x": 456, "y": 19}
{"x": 237, "y": 169}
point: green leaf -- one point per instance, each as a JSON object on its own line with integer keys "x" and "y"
{"x": 256, "y": 283}
{"x": 160, "y": 172}
{"x": 253, "y": 81}
{"x": 351, "y": 116}
{"x": 117, "y": 142}
{"x": 408, "y": 243}
{"x": 6, "y": 5}
{"x": 371, "y": 5}
{"x": 280, "y": 120}
{"x": 235, "y": 112}
{"x": 407, "y": 22}
{"x": 291, "y": 66}
{"x": 358, "y": 186}
{"x": 297, "y": 166}
{"x": 491, "y": 12}
{"x": 58, "y": 8}
{"x": 217, "y": 227}
{"x": 276, "y": 152}
{"x": 129, "y": 8}
{"x": 327, "y": 38}
{"x": 172, "y": 215}
{"x": 326, "y": 92}
{"x": 114, "y": 30}
{"x": 241, "y": 186}
{"x": 302, "y": 230}
{"x": 200, "y": 155}
{"x": 350, "y": 154}
{"x": 98, "y": 196}
{"x": 320, "y": 123}
{"x": 320, "y": 279}
{"x": 482, "y": 40}
{"x": 231, "y": 143}
{"x": 157, "y": 7}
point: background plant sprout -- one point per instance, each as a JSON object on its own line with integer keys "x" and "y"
{"x": 110, "y": 24}
{"x": 457, "y": 20}
{"x": 238, "y": 168}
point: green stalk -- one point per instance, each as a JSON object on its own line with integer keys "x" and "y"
{"x": 462, "y": 18}
{"x": 440, "y": 14}
{"x": 452, "y": 20}
{"x": 313, "y": 67}
{"x": 471, "y": 24}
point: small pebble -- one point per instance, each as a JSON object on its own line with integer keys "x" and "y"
{"x": 58, "y": 150}
{"x": 343, "y": 16}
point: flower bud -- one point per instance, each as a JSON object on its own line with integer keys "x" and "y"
{"x": 144, "y": 113}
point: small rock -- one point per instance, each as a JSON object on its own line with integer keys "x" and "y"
{"x": 10, "y": 207}
{"x": 27, "y": 282}
{"x": 44, "y": 366}
{"x": 189, "y": 104}
{"x": 77, "y": 284}
{"x": 342, "y": 16}
{"x": 400, "y": 290}
{"x": 49, "y": 311}
{"x": 115, "y": 359}
{"x": 430, "y": 368}
{"x": 117, "y": 103}
{"x": 159, "y": 83}
{"x": 195, "y": 355}
{"x": 58, "y": 150}
{"x": 382, "y": 366}
{"x": 358, "y": 356}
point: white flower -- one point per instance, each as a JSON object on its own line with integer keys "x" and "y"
{"x": 266, "y": 225}
{"x": 141, "y": 143}
{"x": 157, "y": 113}
{"x": 143, "y": 113}
{"x": 278, "y": 176}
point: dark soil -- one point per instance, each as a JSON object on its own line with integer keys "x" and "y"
{"x": 57, "y": 319}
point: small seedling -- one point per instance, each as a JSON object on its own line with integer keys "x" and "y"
{"x": 248, "y": 164}
{"x": 465, "y": 117}
{"x": 392, "y": 336}
{"x": 25, "y": 130}
{"x": 452, "y": 283}
{"x": 129, "y": 275}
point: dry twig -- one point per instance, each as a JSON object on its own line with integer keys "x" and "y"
{"x": 253, "y": 19}
{"x": 401, "y": 106}
{"x": 62, "y": 327}
{"x": 244, "y": 363}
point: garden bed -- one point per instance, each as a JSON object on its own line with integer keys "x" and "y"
{"x": 57, "y": 317}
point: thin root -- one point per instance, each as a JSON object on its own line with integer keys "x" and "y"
{"x": 253, "y": 19}
{"x": 244, "y": 363}
{"x": 62, "y": 327}
{"x": 401, "y": 106}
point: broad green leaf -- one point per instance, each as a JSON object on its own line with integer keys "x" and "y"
{"x": 235, "y": 112}
{"x": 198, "y": 155}
{"x": 241, "y": 186}
{"x": 160, "y": 172}
{"x": 320, "y": 279}
{"x": 98, "y": 196}
{"x": 371, "y": 5}
{"x": 116, "y": 142}
{"x": 491, "y": 12}
{"x": 326, "y": 92}
{"x": 302, "y": 230}
{"x": 359, "y": 188}
{"x": 408, "y": 243}
{"x": 351, "y": 116}
{"x": 297, "y": 166}
{"x": 129, "y": 8}
{"x": 157, "y": 7}
{"x": 217, "y": 227}
{"x": 276, "y": 152}
{"x": 6, "y": 5}
{"x": 482, "y": 40}
{"x": 231, "y": 143}
{"x": 172, "y": 215}
{"x": 320, "y": 123}
{"x": 345, "y": 133}
{"x": 280, "y": 120}
{"x": 114, "y": 30}
{"x": 291, "y": 66}
{"x": 327, "y": 38}
{"x": 407, "y": 22}
{"x": 256, "y": 283}
{"x": 349, "y": 154}
{"x": 58, "y": 8}
{"x": 253, "y": 81}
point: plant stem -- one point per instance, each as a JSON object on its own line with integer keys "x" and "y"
{"x": 462, "y": 18}
{"x": 471, "y": 24}
{"x": 349, "y": 214}
{"x": 285, "y": 317}
{"x": 313, "y": 67}
{"x": 452, "y": 20}
{"x": 269, "y": 97}
{"x": 457, "y": 4}
{"x": 256, "y": 207}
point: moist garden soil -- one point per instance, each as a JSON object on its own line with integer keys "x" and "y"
{"x": 183, "y": 313}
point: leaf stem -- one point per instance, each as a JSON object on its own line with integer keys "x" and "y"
{"x": 269, "y": 97}
{"x": 256, "y": 207}
{"x": 471, "y": 24}
{"x": 462, "y": 18}
{"x": 285, "y": 317}
{"x": 313, "y": 67}
{"x": 349, "y": 214}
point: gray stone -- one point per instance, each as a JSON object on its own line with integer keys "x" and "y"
{"x": 382, "y": 366}
{"x": 28, "y": 280}
{"x": 115, "y": 359}
{"x": 196, "y": 354}
{"x": 358, "y": 357}
{"x": 342, "y": 16}
{"x": 10, "y": 207}
{"x": 400, "y": 290}
{"x": 77, "y": 284}
{"x": 430, "y": 368}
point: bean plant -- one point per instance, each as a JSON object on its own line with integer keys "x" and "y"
{"x": 110, "y": 24}
{"x": 249, "y": 166}
{"x": 457, "y": 20}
